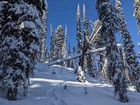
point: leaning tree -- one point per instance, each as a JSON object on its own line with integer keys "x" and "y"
{"x": 108, "y": 15}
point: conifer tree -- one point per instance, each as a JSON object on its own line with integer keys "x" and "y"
{"x": 52, "y": 44}
{"x": 79, "y": 32}
{"x": 137, "y": 11}
{"x": 21, "y": 33}
{"x": 65, "y": 46}
{"x": 137, "y": 15}
{"x": 59, "y": 41}
{"x": 86, "y": 37}
{"x": 132, "y": 64}
{"x": 44, "y": 31}
{"x": 109, "y": 17}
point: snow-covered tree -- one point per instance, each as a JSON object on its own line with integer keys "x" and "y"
{"x": 108, "y": 15}
{"x": 132, "y": 64}
{"x": 59, "y": 41}
{"x": 86, "y": 37}
{"x": 80, "y": 74}
{"x": 52, "y": 44}
{"x": 65, "y": 45}
{"x": 44, "y": 31}
{"x": 137, "y": 11}
{"x": 137, "y": 15}
{"x": 21, "y": 33}
{"x": 79, "y": 32}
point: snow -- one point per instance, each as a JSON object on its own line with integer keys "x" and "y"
{"x": 56, "y": 85}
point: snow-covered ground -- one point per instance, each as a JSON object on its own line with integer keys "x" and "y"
{"x": 57, "y": 85}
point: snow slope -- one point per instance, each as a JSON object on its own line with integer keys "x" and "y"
{"x": 57, "y": 85}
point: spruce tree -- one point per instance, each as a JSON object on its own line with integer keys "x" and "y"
{"x": 79, "y": 32}
{"x": 52, "y": 44}
{"x": 21, "y": 33}
{"x": 108, "y": 15}
{"x": 132, "y": 64}
{"x": 44, "y": 31}
{"x": 65, "y": 46}
{"x": 137, "y": 11}
{"x": 86, "y": 37}
{"x": 59, "y": 41}
{"x": 137, "y": 15}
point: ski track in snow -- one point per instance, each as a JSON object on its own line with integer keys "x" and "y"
{"x": 57, "y": 85}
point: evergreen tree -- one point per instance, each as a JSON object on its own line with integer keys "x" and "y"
{"x": 44, "y": 31}
{"x": 137, "y": 11}
{"x": 52, "y": 44}
{"x": 59, "y": 41}
{"x": 137, "y": 15}
{"x": 109, "y": 17}
{"x": 21, "y": 33}
{"x": 79, "y": 32}
{"x": 132, "y": 64}
{"x": 86, "y": 37}
{"x": 65, "y": 46}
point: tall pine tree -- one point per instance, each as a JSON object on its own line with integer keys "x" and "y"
{"x": 109, "y": 18}
{"x": 52, "y": 44}
{"x": 65, "y": 45}
{"x": 59, "y": 41}
{"x": 79, "y": 32}
{"x": 132, "y": 64}
{"x": 137, "y": 11}
{"x": 44, "y": 31}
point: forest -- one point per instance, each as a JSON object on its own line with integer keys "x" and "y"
{"x": 97, "y": 55}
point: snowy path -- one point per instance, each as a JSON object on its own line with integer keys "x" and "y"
{"x": 48, "y": 88}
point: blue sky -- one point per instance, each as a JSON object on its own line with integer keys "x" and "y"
{"x": 63, "y": 12}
